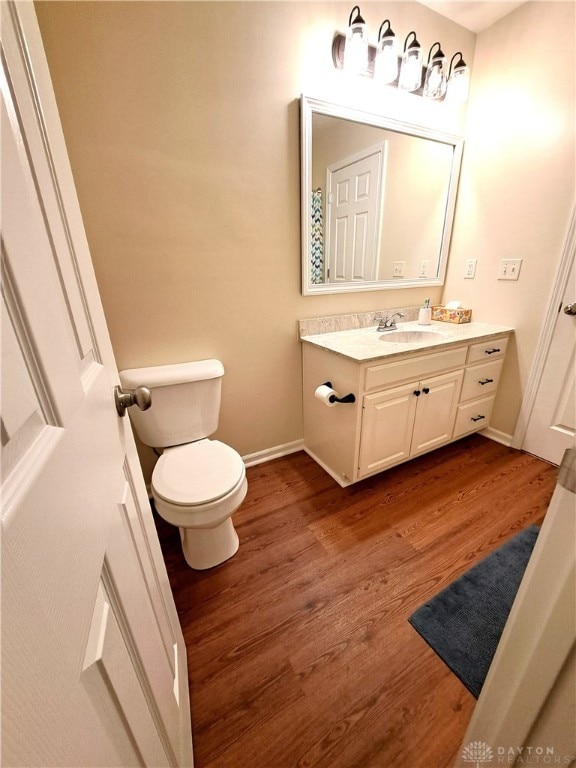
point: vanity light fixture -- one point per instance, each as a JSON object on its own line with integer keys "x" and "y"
{"x": 356, "y": 51}
{"x": 411, "y": 67}
{"x": 386, "y": 61}
{"x": 435, "y": 82}
{"x": 458, "y": 80}
{"x": 353, "y": 53}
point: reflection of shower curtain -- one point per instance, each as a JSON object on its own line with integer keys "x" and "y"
{"x": 317, "y": 249}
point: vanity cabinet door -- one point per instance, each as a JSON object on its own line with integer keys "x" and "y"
{"x": 387, "y": 424}
{"x": 405, "y": 421}
{"x": 436, "y": 411}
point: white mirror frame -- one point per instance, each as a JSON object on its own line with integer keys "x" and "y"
{"x": 309, "y": 106}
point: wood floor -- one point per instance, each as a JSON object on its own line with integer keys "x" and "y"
{"x": 300, "y": 653}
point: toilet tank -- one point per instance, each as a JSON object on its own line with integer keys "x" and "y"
{"x": 185, "y": 401}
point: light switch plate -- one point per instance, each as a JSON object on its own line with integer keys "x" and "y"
{"x": 509, "y": 269}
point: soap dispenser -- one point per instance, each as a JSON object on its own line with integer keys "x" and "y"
{"x": 425, "y": 314}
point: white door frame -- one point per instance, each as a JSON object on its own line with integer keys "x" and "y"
{"x": 547, "y": 332}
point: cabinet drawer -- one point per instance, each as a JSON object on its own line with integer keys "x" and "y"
{"x": 487, "y": 350}
{"x": 473, "y": 416}
{"x": 382, "y": 375}
{"x": 481, "y": 380}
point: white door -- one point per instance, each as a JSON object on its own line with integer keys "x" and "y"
{"x": 93, "y": 661}
{"x": 353, "y": 215}
{"x": 526, "y": 711}
{"x": 551, "y": 422}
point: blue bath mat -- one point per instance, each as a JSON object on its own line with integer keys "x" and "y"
{"x": 464, "y": 622}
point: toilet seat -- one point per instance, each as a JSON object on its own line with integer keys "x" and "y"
{"x": 196, "y": 474}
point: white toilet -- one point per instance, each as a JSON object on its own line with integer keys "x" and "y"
{"x": 197, "y": 483}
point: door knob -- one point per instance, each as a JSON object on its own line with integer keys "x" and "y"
{"x": 140, "y": 396}
{"x": 570, "y": 309}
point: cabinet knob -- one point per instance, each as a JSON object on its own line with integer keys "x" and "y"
{"x": 417, "y": 392}
{"x": 477, "y": 418}
{"x": 491, "y": 351}
{"x": 486, "y": 381}
{"x": 426, "y": 390}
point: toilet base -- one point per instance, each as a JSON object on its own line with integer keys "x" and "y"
{"x": 207, "y": 547}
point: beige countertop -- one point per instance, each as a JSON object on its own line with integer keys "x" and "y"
{"x": 363, "y": 344}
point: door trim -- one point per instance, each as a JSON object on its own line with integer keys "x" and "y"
{"x": 547, "y": 332}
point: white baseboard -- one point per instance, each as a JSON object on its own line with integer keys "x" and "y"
{"x": 497, "y": 436}
{"x": 251, "y": 459}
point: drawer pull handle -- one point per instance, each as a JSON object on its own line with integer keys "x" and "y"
{"x": 477, "y": 418}
{"x": 417, "y": 392}
{"x": 486, "y": 381}
{"x": 426, "y": 390}
{"x": 491, "y": 351}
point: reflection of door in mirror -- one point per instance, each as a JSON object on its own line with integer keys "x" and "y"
{"x": 364, "y": 226}
{"x": 416, "y": 173}
{"x": 354, "y": 203}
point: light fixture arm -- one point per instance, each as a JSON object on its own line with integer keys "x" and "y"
{"x": 358, "y": 19}
{"x": 388, "y": 32}
{"x": 413, "y": 44}
{"x": 438, "y": 55}
{"x": 459, "y": 64}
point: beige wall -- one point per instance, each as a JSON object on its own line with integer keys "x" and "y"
{"x": 517, "y": 183}
{"x": 182, "y": 125}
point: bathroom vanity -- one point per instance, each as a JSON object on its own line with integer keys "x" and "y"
{"x": 411, "y": 393}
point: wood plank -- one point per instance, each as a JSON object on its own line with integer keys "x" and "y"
{"x": 300, "y": 652}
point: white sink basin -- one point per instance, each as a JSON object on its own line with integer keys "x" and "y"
{"x": 411, "y": 337}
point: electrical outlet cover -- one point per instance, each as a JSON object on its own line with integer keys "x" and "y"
{"x": 398, "y": 269}
{"x": 470, "y": 269}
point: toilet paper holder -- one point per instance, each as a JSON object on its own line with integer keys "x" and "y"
{"x": 350, "y": 398}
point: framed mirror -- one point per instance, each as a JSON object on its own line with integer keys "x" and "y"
{"x": 378, "y": 199}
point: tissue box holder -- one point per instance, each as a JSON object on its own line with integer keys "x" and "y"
{"x": 451, "y": 315}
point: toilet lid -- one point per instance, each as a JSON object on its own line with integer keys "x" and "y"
{"x": 197, "y": 473}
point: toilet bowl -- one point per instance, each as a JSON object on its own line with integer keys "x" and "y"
{"x": 198, "y": 486}
{"x": 197, "y": 483}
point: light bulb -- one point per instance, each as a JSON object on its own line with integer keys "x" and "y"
{"x": 411, "y": 68}
{"x": 386, "y": 62}
{"x": 356, "y": 49}
{"x": 435, "y": 82}
{"x": 458, "y": 81}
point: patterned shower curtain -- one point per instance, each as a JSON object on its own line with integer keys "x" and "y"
{"x": 317, "y": 249}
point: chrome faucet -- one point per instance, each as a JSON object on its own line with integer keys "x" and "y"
{"x": 388, "y": 323}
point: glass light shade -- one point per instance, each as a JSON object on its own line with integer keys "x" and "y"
{"x": 411, "y": 70}
{"x": 459, "y": 85}
{"x": 356, "y": 49}
{"x": 435, "y": 82}
{"x": 386, "y": 63}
